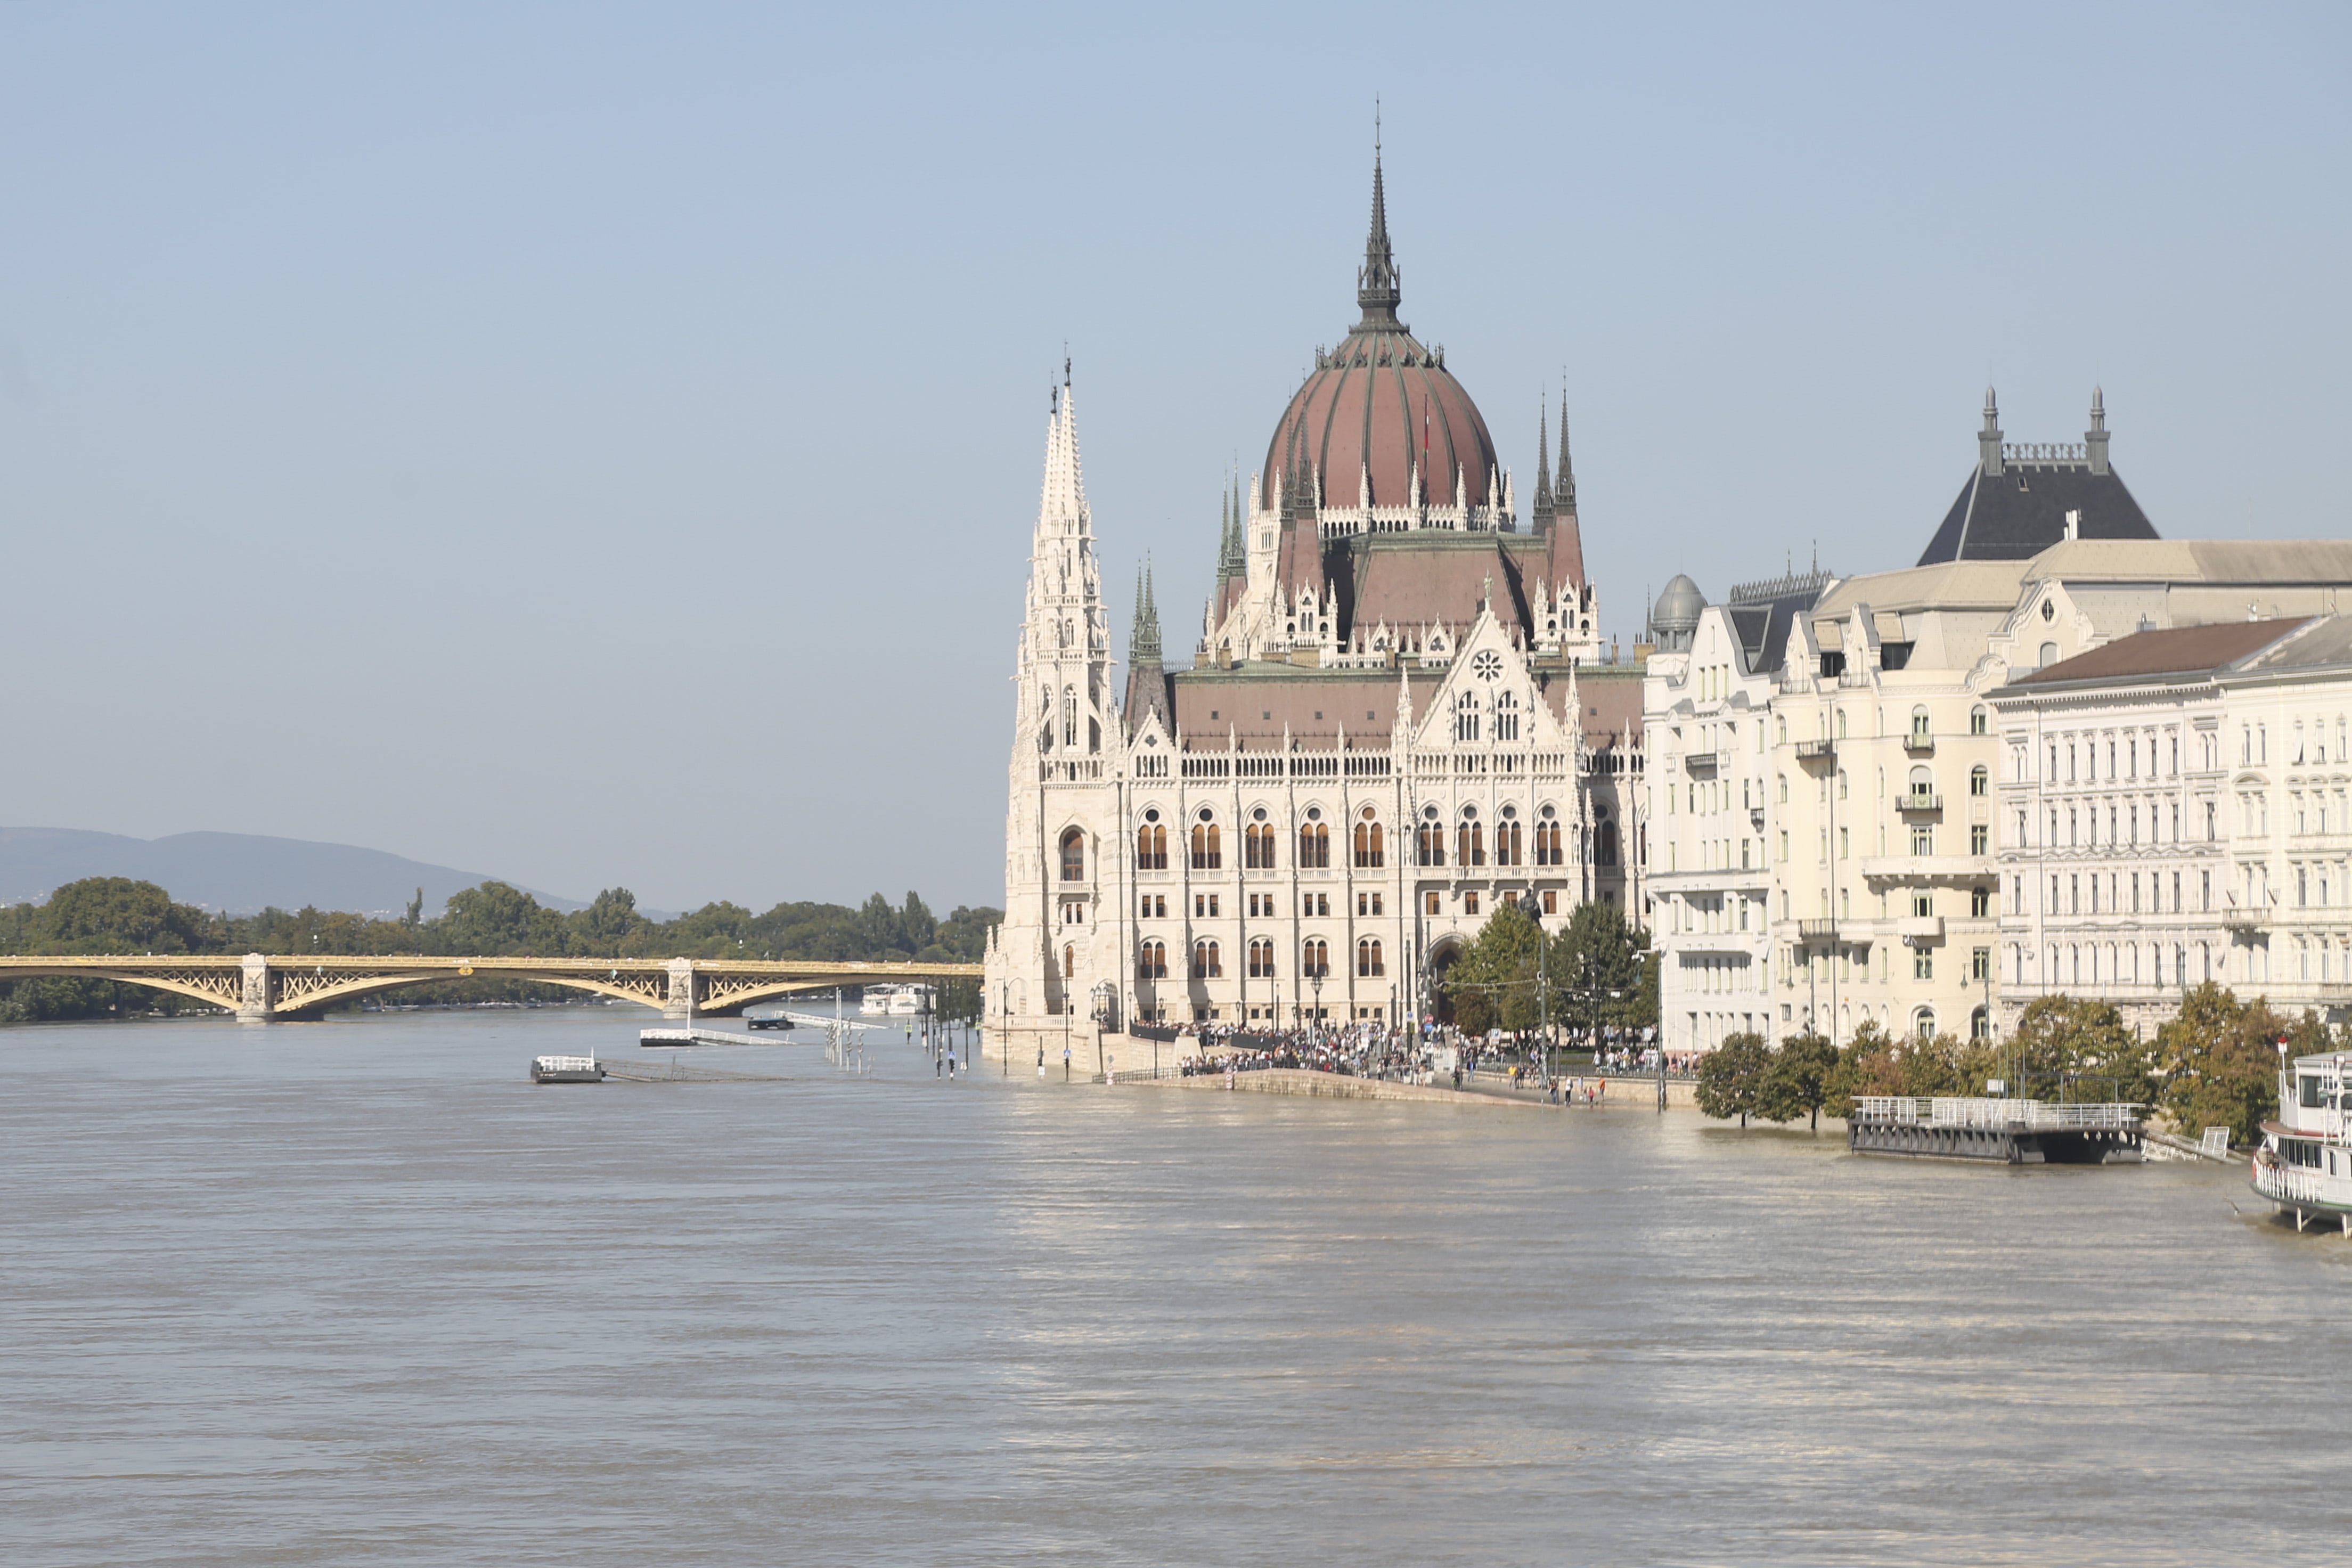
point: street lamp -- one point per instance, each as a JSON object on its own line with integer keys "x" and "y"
{"x": 1318, "y": 981}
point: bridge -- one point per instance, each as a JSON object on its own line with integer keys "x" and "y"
{"x": 263, "y": 988}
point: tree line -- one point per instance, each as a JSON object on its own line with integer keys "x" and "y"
{"x": 2213, "y": 1064}
{"x": 118, "y": 915}
{"x": 1595, "y": 968}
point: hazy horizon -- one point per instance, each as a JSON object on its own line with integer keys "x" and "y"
{"x": 603, "y": 446}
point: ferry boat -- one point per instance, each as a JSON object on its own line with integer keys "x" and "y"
{"x": 896, "y": 1002}
{"x": 565, "y": 1069}
{"x": 2304, "y": 1164}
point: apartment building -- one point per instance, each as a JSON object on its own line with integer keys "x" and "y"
{"x": 2174, "y": 811}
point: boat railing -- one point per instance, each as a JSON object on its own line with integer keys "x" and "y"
{"x": 2033, "y": 1115}
{"x": 2289, "y": 1184}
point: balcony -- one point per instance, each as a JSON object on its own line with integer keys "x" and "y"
{"x": 1919, "y": 802}
{"x": 1817, "y": 931}
{"x": 1817, "y": 751}
{"x": 1919, "y": 744}
{"x": 1920, "y": 931}
{"x": 1926, "y": 868}
{"x": 1706, "y": 762}
{"x": 2236, "y": 919}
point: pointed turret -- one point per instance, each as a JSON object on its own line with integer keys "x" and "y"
{"x": 1989, "y": 438}
{"x": 1146, "y": 681}
{"x": 2095, "y": 439}
{"x": 1564, "y": 496}
{"x": 1541, "y": 514}
{"x": 1376, "y": 281}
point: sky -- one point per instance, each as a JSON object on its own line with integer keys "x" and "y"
{"x": 600, "y": 444}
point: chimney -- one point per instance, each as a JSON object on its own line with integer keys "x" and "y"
{"x": 2095, "y": 439}
{"x": 2074, "y": 525}
{"x": 1989, "y": 440}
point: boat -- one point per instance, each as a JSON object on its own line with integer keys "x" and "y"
{"x": 2304, "y": 1164}
{"x": 897, "y": 1002}
{"x": 565, "y": 1069}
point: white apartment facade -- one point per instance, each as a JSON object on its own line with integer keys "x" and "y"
{"x": 2174, "y": 810}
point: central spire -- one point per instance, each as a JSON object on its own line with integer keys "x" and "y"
{"x": 1376, "y": 283}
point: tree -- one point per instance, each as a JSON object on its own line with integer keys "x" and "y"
{"x": 1493, "y": 983}
{"x": 608, "y": 922}
{"x": 2217, "y": 1061}
{"x": 1601, "y": 971}
{"x": 2070, "y": 1047}
{"x": 115, "y": 914}
{"x": 1797, "y": 1082}
{"x": 1731, "y": 1077}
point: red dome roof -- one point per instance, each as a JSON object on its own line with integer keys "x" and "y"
{"x": 1373, "y": 407}
{"x": 1380, "y": 406}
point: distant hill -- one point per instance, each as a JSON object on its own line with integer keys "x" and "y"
{"x": 234, "y": 873}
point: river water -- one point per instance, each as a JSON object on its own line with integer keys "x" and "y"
{"x": 355, "y": 1293}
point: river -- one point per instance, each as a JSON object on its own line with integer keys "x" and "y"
{"x": 354, "y": 1292}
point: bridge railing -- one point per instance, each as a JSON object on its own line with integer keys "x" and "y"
{"x": 2033, "y": 1115}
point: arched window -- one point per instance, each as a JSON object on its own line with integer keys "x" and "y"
{"x": 1204, "y": 961}
{"x": 1923, "y": 1023}
{"x": 1369, "y": 851}
{"x": 1260, "y": 958}
{"x": 1979, "y": 780}
{"x": 1979, "y": 721}
{"x": 2049, "y": 655}
{"x": 1922, "y": 727}
{"x": 1507, "y": 844}
{"x": 1506, "y": 717}
{"x": 1470, "y": 844}
{"x": 1069, "y": 962}
{"x": 1368, "y": 957}
{"x": 1314, "y": 846}
{"x": 1604, "y": 841}
{"x": 1069, "y": 716}
{"x": 1045, "y": 719}
{"x": 1206, "y": 855}
{"x": 1151, "y": 848}
{"x": 1314, "y": 958}
{"x": 1257, "y": 847}
{"x": 1466, "y": 716}
{"x": 1431, "y": 845}
{"x": 1152, "y": 960}
{"x": 1073, "y": 855}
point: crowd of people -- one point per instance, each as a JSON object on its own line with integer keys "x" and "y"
{"x": 1377, "y": 1050}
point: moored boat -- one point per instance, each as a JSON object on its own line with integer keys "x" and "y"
{"x": 565, "y": 1069}
{"x": 2304, "y": 1164}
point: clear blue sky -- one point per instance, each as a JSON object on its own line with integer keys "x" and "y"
{"x": 599, "y": 443}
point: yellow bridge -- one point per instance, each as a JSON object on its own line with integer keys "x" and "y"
{"x": 260, "y": 988}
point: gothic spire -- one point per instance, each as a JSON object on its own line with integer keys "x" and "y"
{"x": 1376, "y": 283}
{"x": 1143, "y": 632}
{"x": 1542, "y": 510}
{"x": 1564, "y": 496}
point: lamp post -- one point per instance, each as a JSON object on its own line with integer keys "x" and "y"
{"x": 1102, "y": 994}
{"x": 1317, "y": 980}
{"x": 1543, "y": 993}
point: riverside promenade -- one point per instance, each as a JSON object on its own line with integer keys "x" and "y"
{"x": 1623, "y": 1093}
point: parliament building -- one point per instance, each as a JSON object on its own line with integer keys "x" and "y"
{"x": 1400, "y": 716}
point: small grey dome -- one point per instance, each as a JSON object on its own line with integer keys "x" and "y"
{"x": 1675, "y": 615}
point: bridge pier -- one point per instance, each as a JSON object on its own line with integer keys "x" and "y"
{"x": 679, "y": 1000}
{"x": 253, "y": 997}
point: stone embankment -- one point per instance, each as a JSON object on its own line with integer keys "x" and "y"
{"x": 1625, "y": 1093}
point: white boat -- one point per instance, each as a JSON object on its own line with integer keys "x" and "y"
{"x": 877, "y": 1001}
{"x": 565, "y": 1069}
{"x": 896, "y": 1002}
{"x": 2304, "y": 1164}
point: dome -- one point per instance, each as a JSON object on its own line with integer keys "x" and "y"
{"x": 1364, "y": 419}
{"x": 1675, "y": 615}
{"x": 1372, "y": 406}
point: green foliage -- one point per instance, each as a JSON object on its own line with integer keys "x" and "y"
{"x": 1493, "y": 983}
{"x": 1601, "y": 966}
{"x": 2217, "y": 1061}
{"x": 113, "y": 914}
{"x": 1731, "y": 1077}
{"x": 1798, "y": 1080}
{"x": 2070, "y": 1047}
